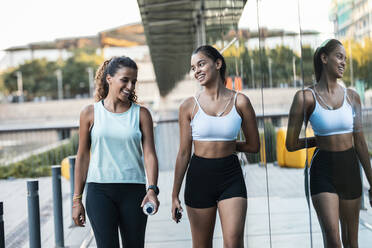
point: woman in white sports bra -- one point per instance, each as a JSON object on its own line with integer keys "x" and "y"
{"x": 335, "y": 116}
{"x": 211, "y": 121}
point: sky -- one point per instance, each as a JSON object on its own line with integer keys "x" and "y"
{"x": 26, "y": 21}
{"x": 283, "y": 14}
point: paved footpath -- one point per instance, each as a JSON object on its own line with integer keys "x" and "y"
{"x": 289, "y": 218}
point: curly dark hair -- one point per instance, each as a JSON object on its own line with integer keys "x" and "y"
{"x": 110, "y": 67}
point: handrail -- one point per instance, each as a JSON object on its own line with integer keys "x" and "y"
{"x": 170, "y": 120}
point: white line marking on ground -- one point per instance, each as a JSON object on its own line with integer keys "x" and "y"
{"x": 86, "y": 242}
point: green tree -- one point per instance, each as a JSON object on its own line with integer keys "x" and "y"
{"x": 361, "y": 60}
{"x": 74, "y": 71}
{"x": 307, "y": 63}
{"x": 281, "y": 65}
{"x": 37, "y": 77}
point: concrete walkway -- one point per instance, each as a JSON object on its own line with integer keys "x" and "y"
{"x": 289, "y": 219}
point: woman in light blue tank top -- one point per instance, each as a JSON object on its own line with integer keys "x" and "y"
{"x": 336, "y": 118}
{"x": 114, "y": 135}
{"x": 211, "y": 122}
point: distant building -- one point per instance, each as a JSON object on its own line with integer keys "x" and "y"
{"x": 352, "y": 18}
{"x": 126, "y": 40}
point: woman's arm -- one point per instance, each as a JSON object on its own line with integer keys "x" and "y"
{"x": 363, "y": 155}
{"x": 148, "y": 146}
{"x": 184, "y": 152}
{"x": 83, "y": 153}
{"x": 82, "y": 163}
{"x": 358, "y": 136}
{"x": 296, "y": 119}
{"x": 149, "y": 154}
{"x": 249, "y": 126}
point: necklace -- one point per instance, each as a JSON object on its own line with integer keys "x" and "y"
{"x": 219, "y": 114}
{"x": 223, "y": 111}
{"x": 322, "y": 100}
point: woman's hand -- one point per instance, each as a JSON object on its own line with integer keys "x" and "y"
{"x": 78, "y": 213}
{"x": 151, "y": 196}
{"x": 176, "y": 203}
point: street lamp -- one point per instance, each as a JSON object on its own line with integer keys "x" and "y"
{"x": 252, "y": 73}
{"x": 60, "y": 83}
{"x": 294, "y": 71}
{"x": 370, "y": 18}
{"x": 19, "y": 86}
{"x": 90, "y": 77}
{"x": 270, "y": 74}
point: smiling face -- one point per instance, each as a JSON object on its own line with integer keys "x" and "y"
{"x": 123, "y": 83}
{"x": 204, "y": 68}
{"x": 335, "y": 62}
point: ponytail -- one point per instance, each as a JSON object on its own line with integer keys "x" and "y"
{"x": 100, "y": 81}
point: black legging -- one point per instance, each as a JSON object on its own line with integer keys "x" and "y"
{"x": 113, "y": 205}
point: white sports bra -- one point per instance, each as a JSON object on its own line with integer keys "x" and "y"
{"x": 213, "y": 128}
{"x": 327, "y": 122}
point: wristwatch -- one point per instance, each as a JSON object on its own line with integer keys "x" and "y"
{"x": 154, "y": 188}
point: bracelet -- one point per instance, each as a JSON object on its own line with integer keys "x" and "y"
{"x": 75, "y": 197}
{"x": 74, "y": 206}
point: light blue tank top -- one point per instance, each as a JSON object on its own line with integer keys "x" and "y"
{"x": 212, "y": 128}
{"x": 327, "y": 122}
{"x": 116, "y": 148}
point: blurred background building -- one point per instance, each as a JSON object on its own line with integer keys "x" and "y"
{"x": 352, "y": 18}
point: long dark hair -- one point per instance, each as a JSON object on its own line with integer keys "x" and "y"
{"x": 110, "y": 67}
{"x": 213, "y": 54}
{"x": 327, "y": 47}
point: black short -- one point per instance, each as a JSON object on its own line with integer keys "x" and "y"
{"x": 210, "y": 180}
{"x": 336, "y": 172}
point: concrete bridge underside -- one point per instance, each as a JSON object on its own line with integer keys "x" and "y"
{"x": 174, "y": 28}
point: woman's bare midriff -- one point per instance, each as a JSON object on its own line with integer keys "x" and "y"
{"x": 214, "y": 149}
{"x": 335, "y": 143}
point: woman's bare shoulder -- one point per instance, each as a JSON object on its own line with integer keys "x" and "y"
{"x": 87, "y": 113}
{"x": 187, "y": 104}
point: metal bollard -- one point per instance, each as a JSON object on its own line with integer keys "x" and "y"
{"x": 2, "y": 234}
{"x": 71, "y": 160}
{"x": 57, "y": 206}
{"x": 33, "y": 213}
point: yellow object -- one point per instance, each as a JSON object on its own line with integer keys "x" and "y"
{"x": 280, "y": 146}
{"x": 65, "y": 168}
{"x": 262, "y": 149}
{"x": 292, "y": 159}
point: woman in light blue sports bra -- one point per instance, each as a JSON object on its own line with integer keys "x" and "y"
{"x": 211, "y": 122}
{"x": 335, "y": 116}
{"x": 114, "y": 134}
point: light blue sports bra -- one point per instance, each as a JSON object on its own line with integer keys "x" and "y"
{"x": 327, "y": 122}
{"x": 213, "y": 128}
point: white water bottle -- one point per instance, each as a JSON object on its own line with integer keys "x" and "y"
{"x": 149, "y": 208}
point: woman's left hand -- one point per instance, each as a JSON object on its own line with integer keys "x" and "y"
{"x": 151, "y": 196}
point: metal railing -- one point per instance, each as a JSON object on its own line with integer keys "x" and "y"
{"x": 18, "y": 144}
